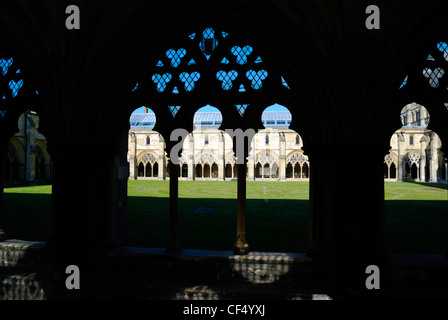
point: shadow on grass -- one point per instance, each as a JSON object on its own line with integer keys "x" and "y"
{"x": 411, "y": 226}
{"x": 432, "y": 185}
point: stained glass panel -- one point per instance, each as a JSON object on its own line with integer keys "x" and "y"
{"x": 189, "y": 79}
{"x": 15, "y": 87}
{"x": 176, "y": 56}
{"x": 227, "y": 78}
{"x": 242, "y": 54}
{"x": 434, "y": 76}
{"x": 174, "y": 110}
{"x": 161, "y": 81}
{"x": 257, "y": 78}
{"x": 5, "y": 64}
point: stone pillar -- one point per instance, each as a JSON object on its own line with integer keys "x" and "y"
{"x": 191, "y": 166}
{"x": 161, "y": 162}
{"x": 446, "y": 172}
{"x": 423, "y": 167}
{"x": 434, "y": 162}
{"x": 346, "y": 222}
{"x": 251, "y": 162}
{"x": 133, "y": 172}
{"x": 221, "y": 156}
{"x": 282, "y": 164}
{"x": 241, "y": 246}
{"x": 173, "y": 242}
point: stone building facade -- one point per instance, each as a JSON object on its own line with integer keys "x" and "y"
{"x": 27, "y": 161}
{"x": 277, "y": 152}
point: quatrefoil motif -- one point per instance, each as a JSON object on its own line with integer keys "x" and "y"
{"x": 434, "y": 76}
{"x": 242, "y": 54}
{"x": 175, "y": 56}
{"x": 257, "y": 78}
{"x": 161, "y": 81}
{"x": 5, "y": 64}
{"x": 189, "y": 79}
{"x": 227, "y": 78}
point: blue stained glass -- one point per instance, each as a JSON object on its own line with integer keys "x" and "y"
{"x": 208, "y": 43}
{"x": 227, "y": 78}
{"x": 257, "y": 78}
{"x": 4, "y": 98}
{"x": 242, "y": 54}
{"x": 175, "y": 90}
{"x": 224, "y": 34}
{"x": 192, "y": 62}
{"x": 176, "y": 56}
{"x": 160, "y": 64}
{"x": 443, "y": 47}
{"x": 241, "y": 108}
{"x": 192, "y": 36}
{"x": 242, "y": 88}
{"x": 18, "y": 71}
{"x": 2, "y": 113}
{"x": 15, "y": 87}
{"x": 189, "y": 79}
{"x": 135, "y": 88}
{"x": 208, "y": 33}
{"x": 405, "y": 82}
{"x": 161, "y": 81}
{"x": 174, "y": 110}
{"x": 285, "y": 83}
{"x": 5, "y": 64}
{"x": 258, "y": 60}
{"x": 225, "y": 61}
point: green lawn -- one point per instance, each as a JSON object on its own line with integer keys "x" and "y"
{"x": 277, "y": 215}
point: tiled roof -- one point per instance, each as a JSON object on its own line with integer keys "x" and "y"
{"x": 212, "y": 120}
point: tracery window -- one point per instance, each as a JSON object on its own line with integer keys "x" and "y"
{"x": 11, "y": 82}
{"x": 209, "y": 58}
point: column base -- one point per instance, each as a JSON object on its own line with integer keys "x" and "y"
{"x": 241, "y": 249}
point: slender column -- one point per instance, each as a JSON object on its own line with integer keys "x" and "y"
{"x": 173, "y": 244}
{"x": 2, "y": 163}
{"x": 241, "y": 246}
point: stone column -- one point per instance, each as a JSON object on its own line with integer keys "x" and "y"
{"x": 346, "y": 222}
{"x": 221, "y": 156}
{"x": 434, "y": 162}
{"x": 133, "y": 172}
{"x": 173, "y": 242}
{"x": 191, "y": 166}
{"x": 161, "y": 175}
{"x": 241, "y": 246}
{"x": 282, "y": 164}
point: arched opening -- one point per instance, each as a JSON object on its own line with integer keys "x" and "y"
{"x": 185, "y": 170}
{"x": 198, "y": 171}
{"x": 411, "y": 187}
{"x": 141, "y": 170}
{"x": 207, "y": 170}
{"x": 206, "y": 149}
{"x": 305, "y": 171}
{"x": 289, "y": 171}
{"x": 229, "y": 171}
{"x": 393, "y": 171}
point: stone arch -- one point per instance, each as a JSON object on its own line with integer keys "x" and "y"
{"x": 148, "y": 164}
{"x": 299, "y": 164}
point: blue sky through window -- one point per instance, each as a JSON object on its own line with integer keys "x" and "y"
{"x": 275, "y": 107}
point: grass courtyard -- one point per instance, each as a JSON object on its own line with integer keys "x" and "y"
{"x": 277, "y": 215}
